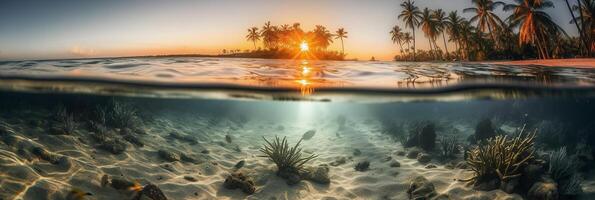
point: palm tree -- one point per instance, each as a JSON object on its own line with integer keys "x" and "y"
{"x": 411, "y": 16}
{"x": 253, "y": 35}
{"x": 428, "y": 26}
{"x": 407, "y": 38}
{"x": 453, "y": 27}
{"x": 322, "y": 37}
{"x": 484, "y": 15}
{"x": 340, "y": 34}
{"x": 397, "y": 36}
{"x": 441, "y": 26}
{"x": 534, "y": 24}
{"x": 581, "y": 33}
{"x": 269, "y": 35}
{"x": 586, "y": 9}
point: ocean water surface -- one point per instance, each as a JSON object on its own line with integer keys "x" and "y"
{"x": 199, "y": 128}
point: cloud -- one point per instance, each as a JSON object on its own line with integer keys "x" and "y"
{"x": 80, "y": 51}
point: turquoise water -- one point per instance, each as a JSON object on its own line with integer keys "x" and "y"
{"x": 114, "y": 128}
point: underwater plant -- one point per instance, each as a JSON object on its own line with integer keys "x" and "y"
{"x": 422, "y": 135}
{"x": 286, "y": 158}
{"x": 122, "y": 115}
{"x": 501, "y": 157}
{"x": 449, "y": 146}
{"x": 562, "y": 169}
{"x": 66, "y": 123}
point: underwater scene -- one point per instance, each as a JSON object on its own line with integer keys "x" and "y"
{"x": 225, "y": 128}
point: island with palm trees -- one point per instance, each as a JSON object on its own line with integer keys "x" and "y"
{"x": 291, "y": 41}
{"x": 529, "y": 32}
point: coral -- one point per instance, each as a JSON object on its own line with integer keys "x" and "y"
{"x": 560, "y": 165}
{"x": 563, "y": 170}
{"x": 449, "y": 146}
{"x": 547, "y": 190}
{"x": 362, "y": 166}
{"x": 285, "y": 157}
{"x": 239, "y": 180}
{"x": 501, "y": 158}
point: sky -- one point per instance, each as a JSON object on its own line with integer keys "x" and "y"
{"x": 42, "y": 29}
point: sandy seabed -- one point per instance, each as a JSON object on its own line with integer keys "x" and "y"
{"x": 23, "y": 176}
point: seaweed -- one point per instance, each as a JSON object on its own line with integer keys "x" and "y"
{"x": 501, "y": 158}
{"x": 65, "y": 120}
{"x": 123, "y": 115}
{"x": 285, "y": 157}
{"x": 562, "y": 170}
{"x": 449, "y": 146}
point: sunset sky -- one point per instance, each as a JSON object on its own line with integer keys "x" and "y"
{"x": 78, "y": 28}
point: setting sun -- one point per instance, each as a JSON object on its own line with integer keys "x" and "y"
{"x": 304, "y": 46}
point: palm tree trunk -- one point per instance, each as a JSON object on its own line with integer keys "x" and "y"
{"x": 580, "y": 7}
{"x": 492, "y": 34}
{"x": 254, "y": 41}
{"x": 580, "y": 32}
{"x": 413, "y": 29}
{"x": 342, "y": 47}
{"x": 431, "y": 49}
{"x": 445, "y": 47}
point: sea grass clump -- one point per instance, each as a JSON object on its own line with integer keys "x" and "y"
{"x": 123, "y": 115}
{"x": 500, "y": 159}
{"x": 289, "y": 160}
{"x": 449, "y": 146}
{"x": 562, "y": 169}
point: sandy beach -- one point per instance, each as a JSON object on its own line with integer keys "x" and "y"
{"x": 578, "y": 62}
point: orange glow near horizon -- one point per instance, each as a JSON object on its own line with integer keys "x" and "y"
{"x": 304, "y": 46}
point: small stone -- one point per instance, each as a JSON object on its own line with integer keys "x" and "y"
{"x": 240, "y": 164}
{"x": 239, "y": 180}
{"x": 357, "y": 152}
{"x": 412, "y": 154}
{"x": 423, "y": 158}
{"x": 318, "y": 174}
{"x": 121, "y": 184}
{"x": 104, "y": 180}
{"x": 421, "y": 188}
{"x": 152, "y": 192}
{"x": 113, "y": 146}
{"x": 206, "y": 151}
{"x": 190, "y": 178}
{"x": 362, "y": 166}
{"x": 395, "y": 163}
{"x": 291, "y": 177}
{"x": 168, "y": 156}
{"x": 228, "y": 139}
{"x": 430, "y": 166}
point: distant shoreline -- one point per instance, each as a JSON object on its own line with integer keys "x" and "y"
{"x": 570, "y": 62}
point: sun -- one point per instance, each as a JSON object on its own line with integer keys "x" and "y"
{"x": 304, "y": 46}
